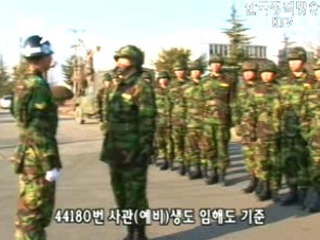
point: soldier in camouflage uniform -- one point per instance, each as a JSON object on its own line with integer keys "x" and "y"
{"x": 264, "y": 116}
{"x": 178, "y": 116}
{"x": 311, "y": 129}
{"x": 219, "y": 98}
{"x": 194, "y": 107}
{"x": 36, "y": 159}
{"x": 163, "y": 120}
{"x": 102, "y": 94}
{"x": 241, "y": 119}
{"x": 294, "y": 148}
{"x": 128, "y": 142}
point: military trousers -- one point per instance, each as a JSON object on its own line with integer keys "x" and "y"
{"x": 129, "y": 187}
{"x": 248, "y": 152}
{"x": 178, "y": 142}
{"x": 314, "y": 147}
{"x": 268, "y": 162}
{"x": 194, "y": 145}
{"x": 216, "y": 138}
{"x": 162, "y": 141}
{"x": 36, "y": 202}
{"x": 296, "y": 160}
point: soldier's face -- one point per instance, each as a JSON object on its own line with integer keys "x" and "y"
{"x": 215, "y": 67}
{"x": 317, "y": 74}
{"x": 267, "y": 76}
{"x": 124, "y": 63}
{"x": 296, "y": 65}
{"x": 163, "y": 82}
{"x": 106, "y": 84}
{"x": 179, "y": 73}
{"x": 249, "y": 75}
{"x": 196, "y": 74}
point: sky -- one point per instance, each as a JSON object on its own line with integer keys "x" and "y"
{"x": 152, "y": 25}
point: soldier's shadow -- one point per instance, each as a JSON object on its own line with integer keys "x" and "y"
{"x": 273, "y": 214}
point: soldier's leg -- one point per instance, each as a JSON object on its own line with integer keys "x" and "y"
{"x": 118, "y": 187}
{"x": 248, "y": 152}
{"x": 222, "y": 137}
{"x": 276, "y": 169}
{"x": 136, "y": 195}
{"x": 209, "y": 151}
{"x": 290, "y": 160}
{"x": 193, "y": 152}
{"x": 35, "y": 207}
{"x": 162, "y": 147}
{"x": 179, "y": 146}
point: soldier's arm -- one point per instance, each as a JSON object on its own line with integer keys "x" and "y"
{"x": 232, "y": 100}
{"x": 147, "y": 116}
{"x": 306, "y": 115}
{"x": 40, "y": 126}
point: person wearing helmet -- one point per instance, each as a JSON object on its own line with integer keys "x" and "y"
{"x": 36, "y": 158}
{"x": 178, "y": 116}
{"x": 163, "y": 120}
{"x": 294, "y": 150}
{"x": 194, "y": 105}
{"x": 310, "y": 118}
{"x": 128, "y": 142}
{"x": 101, "y": 96}
{"x": 241, "y": 120}
{"x": 264, "y": 116}
{"x": 219, "y": 98}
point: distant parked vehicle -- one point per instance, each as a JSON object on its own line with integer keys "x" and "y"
{"x": 6, "y": 101}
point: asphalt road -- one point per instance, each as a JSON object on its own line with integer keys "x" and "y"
{"x": 84, "y": 184}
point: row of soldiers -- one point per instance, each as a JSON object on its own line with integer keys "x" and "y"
{"x": 277, "y": 120}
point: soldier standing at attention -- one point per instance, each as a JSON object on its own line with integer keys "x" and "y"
{"x": 128, "y": 142}
{"x": 194, "y": 107}
{"x": 178, "y": 116}
{"x": 294, "y": 149}
{"x": 163, "y": 120}
{"x": 219, "y": 96}
{"x": 241, "y": 119}
{"x": 311, "y": 129}
{"x": 36, "y": 159}
{"x": 264, "y": 116}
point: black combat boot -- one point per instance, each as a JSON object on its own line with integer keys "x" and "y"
{"x": 222, "y": 178}
{"x": 265, "y": 193}
{"x": 130, "y": 233}
{"x": 292, "y": 197}
{"x": 312, "y": 200}
{"x": 212, "y": 177}
{"x": 164, "y": 165}
{"x": 182, "y": 169}
{"x": 140, "y": 233}
{"x": 252, "y": 185}
{"x": 195, "y": 171}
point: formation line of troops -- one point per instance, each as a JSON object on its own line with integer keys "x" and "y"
{"x": 184, "y": 122}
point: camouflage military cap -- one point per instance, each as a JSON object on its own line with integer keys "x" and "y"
{"x": 269, "y": 66}
{"x": 179, "y": 66}
{"x": 316, "y": 65}
{"x": 131, "y": 52}
{"x": 297, "y": 53}
{"x": 196, "y": 66}
{"x": 249, "y": 66}
{"x": 216, "y": 59}
{"x": 163, "y": 74}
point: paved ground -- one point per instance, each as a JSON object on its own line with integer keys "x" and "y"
{"x": 85, "y": 184}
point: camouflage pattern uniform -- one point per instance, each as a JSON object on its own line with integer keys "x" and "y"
{"x": 218, "y": 92}
{"x": 265, "y": 118}
{"x": 194, "y": 107}
{"x": 101, "y": 97}
{"x": 244, "y": 127}
{"x": 178, "y": 117}
{"x": 311, "y": 129}
{"x": 128, "y": 142}
{"x": 294, "y": 149}
{"x": 36, "y": 115}
{"x": 163, "y": 123}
